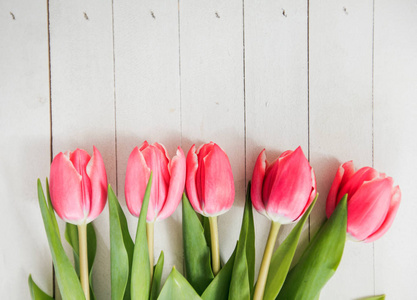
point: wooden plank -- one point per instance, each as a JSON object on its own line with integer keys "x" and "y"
{"x": 395, "y": 117}
{"x": 340, "y": 64}
{"x": 276, "y": 90}
{"x": 25, "y": 149}
{"x": 148, "y": 99}
{"x": 82, "y": 85}
{"x": 212, "y": 99}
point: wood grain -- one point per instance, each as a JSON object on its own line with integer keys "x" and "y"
{"x": 82, "y": 87}
{"x": 340, "y": 64}
{"x": 212, "y": 106}
{"x": 395, "y": 114}
{"x": 148, "y": 100}
{"x": 276, "y": 64}
{"x": 25, "y": 147}
{"x": 336, "y": 77}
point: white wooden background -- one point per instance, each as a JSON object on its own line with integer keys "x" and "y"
{"x": 336, "y": 77}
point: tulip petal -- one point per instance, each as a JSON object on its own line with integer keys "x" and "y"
{"x": 344, "y": 172}
{"x": 312, "y": 194}
{"x": 291, "y": 187}
{"x": 65, "y": 190}
{"x": 356, "y": 181}
{"x": 271, "y": 174}
{"x": 219, "y": 189}
{"x": 157, "y": 162}
{"x": 164, "y": 177}
{"x": 190, "y": 183}
{"x": 257, "y": 182}
{"x": 313, "y": 189}
{"x": 177, "y": 169}
{"x": 288, "y": 152}
{"x": 395, "y": 203}
{"x": 164, "y": 152}
{"x": 98, "y": 178}
{"x": 202, "y": 152}
{"x": 80, "y": 159}
{"x": 137, "y": 176}
{"x": 368, "y": 207}
{"x": 349, "y": 171}
{"x": 144, "y": 145}
{"x": 270, "y": 180}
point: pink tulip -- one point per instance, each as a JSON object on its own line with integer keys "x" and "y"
{"x": 167, "y": 182}
{"x": 210, "y": 187}
{"x": 373, "y": 201}
{"x": 283, "y": 190}
{"x": 78, "y": 186}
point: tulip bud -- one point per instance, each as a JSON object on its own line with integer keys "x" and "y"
{"x": 78, "y": 186}
{"x": 168, "y": 180}
{"x": 283, "y": 190}
{"x": 210, "y": 187}
{"x": 373, "y": 201}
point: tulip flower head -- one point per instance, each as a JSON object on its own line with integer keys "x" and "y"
{"x": 373, "y": 201}
{"x": 168, "y": 180}
{"x": 283, "y": 190}
{"x": 78, "y": 186}
{"x": 210, "y": 187}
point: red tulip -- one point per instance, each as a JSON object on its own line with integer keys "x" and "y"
{"x": 283, "y": 190}
{"x": 373, "y": 201}
{"x": 210, "y": 187}
{"x": 168, "y": 180}
{"x": 78, "y": 186}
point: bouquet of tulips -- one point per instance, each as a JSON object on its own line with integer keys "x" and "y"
{"x": 360, "y": 205}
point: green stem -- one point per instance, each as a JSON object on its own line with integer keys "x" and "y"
{"x": 266, "y": 260}
{"x": 215, "y": 253}
{"x": 82, "y": 240}
{"x": 150, "y": 237}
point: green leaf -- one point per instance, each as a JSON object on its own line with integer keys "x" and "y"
{"x": 120, "y": 242}
{"x": 157, "y": 275}
{"x": 196, "y": 251}
{"x": 283, "y": 256}
{"x": 379, "y": 297}
{"x": 177, "y": 287}
{"x": 71, "y": 235}
{"x": 67, "y": 278}
{"x": 129, "y": 245}
{"x": 51, "y": 208}
{"x": 218, "y": 289}
{"x": 35, "y": 292}
{"x": 127, "y": 239}
{"x": 241, "y": 285}
{"x": 141, "y": 271}
{"x": 250, "y": 240}
{"x": 206, "y": 228}
{"x": 320, "y": 260}
{"x": 91, "y": 255}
